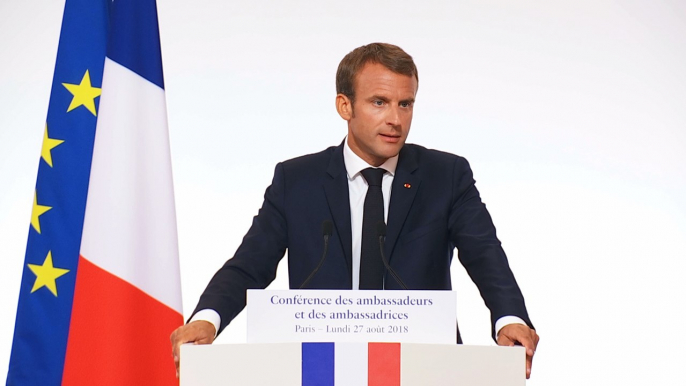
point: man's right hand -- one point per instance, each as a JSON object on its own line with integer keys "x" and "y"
{"x": 197, "y": 332}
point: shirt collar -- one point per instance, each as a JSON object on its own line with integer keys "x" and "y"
{"x": 354, "y": 164}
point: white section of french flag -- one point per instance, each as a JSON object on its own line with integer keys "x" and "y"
{"x": 351, "y": 364}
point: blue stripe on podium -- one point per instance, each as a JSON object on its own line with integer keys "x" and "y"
{"x": 318, "y": 364}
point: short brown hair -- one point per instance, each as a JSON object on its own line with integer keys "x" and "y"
{"x": 388, "y": 55}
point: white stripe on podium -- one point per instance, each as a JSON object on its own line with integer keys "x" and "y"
{"x": 351, "y": 364}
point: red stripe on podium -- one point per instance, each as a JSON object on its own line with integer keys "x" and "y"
{"x": 118, "y": 335}
{"x": 384, "y": 364}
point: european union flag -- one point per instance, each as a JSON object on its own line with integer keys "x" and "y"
{"x": 52, "y": 252}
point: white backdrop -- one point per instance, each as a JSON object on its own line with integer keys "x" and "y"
{"x": 572, "y": 114}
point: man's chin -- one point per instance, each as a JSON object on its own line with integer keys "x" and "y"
{"x": 389, "y": 152}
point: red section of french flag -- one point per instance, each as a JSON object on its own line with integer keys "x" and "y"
{"x": 118, "y": 335}
{"x": 384, "y": 364}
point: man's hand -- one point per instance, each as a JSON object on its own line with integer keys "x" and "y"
{"x": 513, "y": 334}
{"x": 198, "y": 332}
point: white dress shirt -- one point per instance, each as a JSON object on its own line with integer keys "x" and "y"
{"x": 357, "y": 187}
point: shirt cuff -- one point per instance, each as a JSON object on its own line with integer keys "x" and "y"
{"x": 502, "y": 322}
{"x": 211, "y": 316}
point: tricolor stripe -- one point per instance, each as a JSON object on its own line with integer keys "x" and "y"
{"x": 129, "y": 246}
{"x": 326, "y": 364}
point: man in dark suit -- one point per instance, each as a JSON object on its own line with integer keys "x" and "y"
{"x": 427, "y": 198}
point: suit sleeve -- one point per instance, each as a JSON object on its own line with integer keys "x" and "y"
{"x": 256, "y": 259}
{"x": 479, "y": 250}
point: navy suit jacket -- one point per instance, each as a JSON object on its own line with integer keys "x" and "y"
{"x": 434, "y": 208}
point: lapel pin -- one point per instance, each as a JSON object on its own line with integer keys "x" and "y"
{"x": 407, "y": 186}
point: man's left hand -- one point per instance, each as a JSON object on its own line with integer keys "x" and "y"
{"x": 519, "y": 334}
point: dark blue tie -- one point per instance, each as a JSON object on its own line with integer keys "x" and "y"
{"x": 371, "y": 265}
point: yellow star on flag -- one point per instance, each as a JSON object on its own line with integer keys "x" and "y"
{"x": 48, "y": 145}
{"x": 84, "y": 94}
{"x": 37, "y": 211}
{"x": 46, "y": 275}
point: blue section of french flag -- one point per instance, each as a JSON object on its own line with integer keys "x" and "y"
{"x": 318, "y": 364}
{"x": 135, "y": 40}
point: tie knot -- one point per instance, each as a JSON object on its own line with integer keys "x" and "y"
{"x": 373, "y": 176}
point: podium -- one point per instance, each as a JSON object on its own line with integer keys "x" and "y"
{"x": 290, "y": 335}
{"x": 351, "y": 364}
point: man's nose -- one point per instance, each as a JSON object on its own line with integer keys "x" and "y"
{"x": 393, "y": 116}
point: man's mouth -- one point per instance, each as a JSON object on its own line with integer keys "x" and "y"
{"x": 390, "y": 138}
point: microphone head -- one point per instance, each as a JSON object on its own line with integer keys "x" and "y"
{"x": 381, "y": 229}
{"x": 327, "y": 228}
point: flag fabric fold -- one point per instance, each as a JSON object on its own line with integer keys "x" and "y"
{"x": 100, "y": 290}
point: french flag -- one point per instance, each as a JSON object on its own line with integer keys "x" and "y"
{"x": 99, "y": 309}
{"x": 127, "y": 296}
{"x": 329, "y": 364}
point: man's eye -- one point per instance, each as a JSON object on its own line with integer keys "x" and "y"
{"x": 405, "y": 104}
{"x": 378, "y": 102}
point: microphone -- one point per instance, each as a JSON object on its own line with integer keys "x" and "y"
{"x": 381, "y": 232}
{"x": 327, "y": 231}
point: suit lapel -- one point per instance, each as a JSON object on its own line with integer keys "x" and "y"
{"x": 405, "y": 186}
{"x": 338, "y": 198}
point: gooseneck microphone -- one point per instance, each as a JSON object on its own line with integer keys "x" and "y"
{"x": 381, "y": 232}
{"x": 327, "y": 231}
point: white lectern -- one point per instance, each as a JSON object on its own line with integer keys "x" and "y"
{"x": 290, "y": 333}
{"x": 351, "y": 364}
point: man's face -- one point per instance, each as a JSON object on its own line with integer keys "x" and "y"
{"x": 380, "y": 119}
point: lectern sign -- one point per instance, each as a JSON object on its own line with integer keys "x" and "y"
{"x": 351, "y": 316}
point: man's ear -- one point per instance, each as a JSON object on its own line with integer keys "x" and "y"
{"x": 344, "y": 107}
